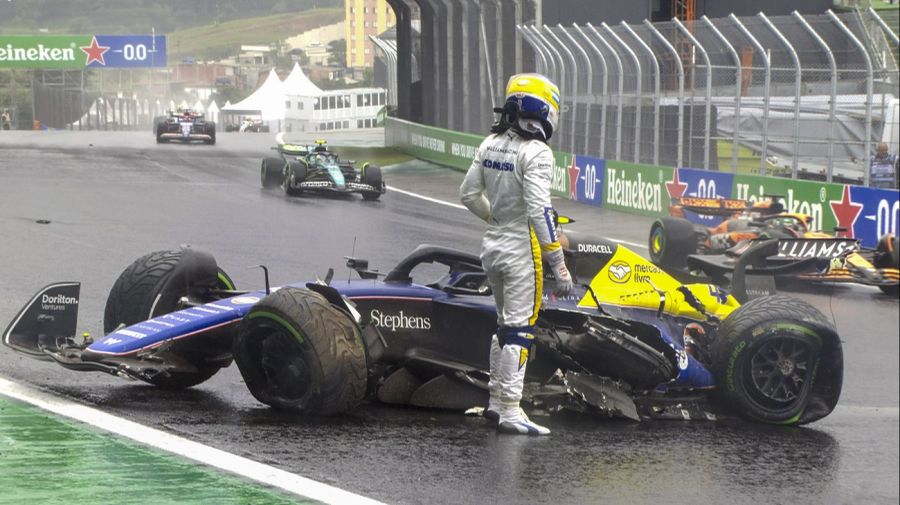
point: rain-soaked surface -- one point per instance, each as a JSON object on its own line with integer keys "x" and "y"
{"x": 123, "y": 196}
{"x": 45, "y": 459}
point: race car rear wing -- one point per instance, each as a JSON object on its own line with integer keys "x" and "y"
{"x": 723, "y": 206}
{"x": 48, "y": 320}
{"x": 753, "y": 272}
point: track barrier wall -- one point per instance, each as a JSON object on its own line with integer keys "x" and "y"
{"x": 866, "y": 213}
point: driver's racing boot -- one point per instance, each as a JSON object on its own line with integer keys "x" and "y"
{"x": 512, "y": 362}
{"x": 492, "y": 413}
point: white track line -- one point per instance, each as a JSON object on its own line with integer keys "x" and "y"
{"x": 168, "y": 442}
{"x": 459, "y": 206}
{"x": 427, "y": 198}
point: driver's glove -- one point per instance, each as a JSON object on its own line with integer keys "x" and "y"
{"x": 557, "y": 261}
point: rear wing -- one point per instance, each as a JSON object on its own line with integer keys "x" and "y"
{"x": 818, "y": 248}
{"x": 753, "y": 272}
{"x": 49, "y": 319}
{"x": 725, "y": 206}
{"x": 294, "y": 148}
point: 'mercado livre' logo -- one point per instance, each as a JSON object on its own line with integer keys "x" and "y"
{"x": 619, "y": 272}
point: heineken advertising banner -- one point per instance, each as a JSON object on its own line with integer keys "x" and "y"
{"x": 82, "y": 51}
{"x": 634, "y": 188}
{"x": 866, "y": 213}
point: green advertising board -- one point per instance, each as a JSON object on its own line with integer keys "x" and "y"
{"x": 803, "y": 197}
{"x": 82, "y": 51}
{"x": 455, "y": 150}
{"x": 636, "y": 189}
{"x": 43, "y": 51}
{"x": 864, "y": 213}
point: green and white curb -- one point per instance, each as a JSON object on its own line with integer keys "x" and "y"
{"x": 44, "y": 459}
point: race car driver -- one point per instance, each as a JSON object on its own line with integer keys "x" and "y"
{"x": 508, "y": 186}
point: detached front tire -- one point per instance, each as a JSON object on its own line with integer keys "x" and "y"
{"x": 778, "y": 360}
{"x": 299, "y": 353}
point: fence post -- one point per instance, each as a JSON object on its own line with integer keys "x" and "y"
{"x": 884, "y": 26}
{"x": 869, "y": 78}
{"x": 637, "y": 90}
{"x": 833, "y": 98}
{"x": 561, "y": 75}
{"x": 656, "y": 90}
{"x": 590, "y": 87}
{"x": 766, "y": 92}
{"x": 562, "y": 65}
{"x": 544, "y": 67}
{"x": 680, "y": 66}
{"x": 798, "y": 83}
{"x": 621, "y": 85}
{"x": 574, "y": 90}
{"x": 603, "y": 91}
{"x": 705, "y": 56}
{"x": 737, "y": 93}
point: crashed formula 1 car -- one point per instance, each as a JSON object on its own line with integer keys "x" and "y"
{"x": 630, "y": 342}
{"x": 315, "y": 169}
{"x": 185, "y": 126}
{"x": 678, "y": 244}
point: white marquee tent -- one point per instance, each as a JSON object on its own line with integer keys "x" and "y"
{"x": 267, "y": 101}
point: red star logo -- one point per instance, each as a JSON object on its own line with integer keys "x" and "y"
{"x": 676, "y": 188}
{"x": 846, "y": 212}
{"x": 95, "y": 52}
{"x": 573, "y": 180}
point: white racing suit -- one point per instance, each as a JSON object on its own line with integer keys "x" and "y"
{"x": 508, "y": 186}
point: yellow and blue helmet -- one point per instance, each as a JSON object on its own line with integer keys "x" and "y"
{"x": 535, "y": 97}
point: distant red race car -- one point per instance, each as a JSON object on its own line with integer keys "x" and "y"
{"x": 185, "y": 125}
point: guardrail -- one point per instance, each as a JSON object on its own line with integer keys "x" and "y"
{"x": 866, "y": 213}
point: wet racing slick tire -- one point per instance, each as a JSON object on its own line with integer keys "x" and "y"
{"x": 295, "y": 173}
{"x": 371, "y": 175}
{"x": 887, "y": 255}
{"x": 271, "y": 172}
{"x": 299, "y": 353}
{"x": 212, "y": 134}
{"x": 671, "y": 241}
{"x": 778, "y": 360}
{"x": 154, "y": 285}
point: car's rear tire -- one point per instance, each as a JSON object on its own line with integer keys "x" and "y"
{"x": 371, "y": 175}
{"x": 271, "y": 172}
{"x": 295, "y": 173}
{"x": 671, "y": 241}
{"x": 212, "y": 134}
{"x": 778, "y": 360}
{"x": 159, "y": 136}
{"x": 299, "y": 353}
{"x": 153, "y": 285}
{"x": 887, "y": 255}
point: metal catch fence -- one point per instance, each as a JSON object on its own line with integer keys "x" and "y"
{"x": 803, "y": 96}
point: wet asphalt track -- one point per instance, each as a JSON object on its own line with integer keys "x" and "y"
{"x": 113, "y": 197}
